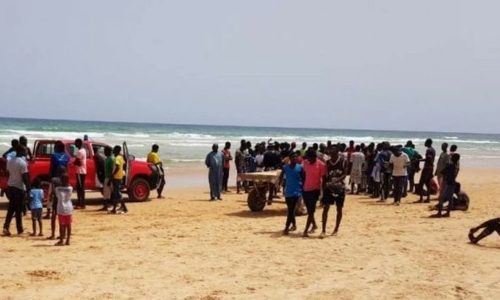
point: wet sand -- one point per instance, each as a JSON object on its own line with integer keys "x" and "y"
{"x": 185, "y": 247}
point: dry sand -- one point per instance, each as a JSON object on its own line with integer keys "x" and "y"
{"x": 186, "y": 247}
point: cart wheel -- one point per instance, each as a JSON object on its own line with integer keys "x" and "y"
{"x": 256, "y": 200}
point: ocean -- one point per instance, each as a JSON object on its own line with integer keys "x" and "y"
{"x": 187, "y": 145}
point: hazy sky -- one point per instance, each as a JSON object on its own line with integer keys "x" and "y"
{"x": 417, "y": 65}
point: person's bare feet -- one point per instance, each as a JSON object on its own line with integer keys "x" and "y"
{"x": 294, "y": 228}
{"x": 67, "y": 243}
{"x": 322, "y": 235}
{"x": 60, "y": 243}
{"x": 285, "y": 232}
{"x": 334, "y": 233}
{"x": 40, "y": 234}
{"x": 305, "y": 234}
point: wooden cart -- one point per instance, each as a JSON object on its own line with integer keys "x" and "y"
{"x": 262, "y": 181}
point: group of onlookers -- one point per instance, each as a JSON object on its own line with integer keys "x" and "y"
{"x": 59, "y": 196}
{"x": 379, "y": 170}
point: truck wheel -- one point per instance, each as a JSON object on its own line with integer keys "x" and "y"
{"x": 256, "y": 200}
{"x": 139, "y": 190}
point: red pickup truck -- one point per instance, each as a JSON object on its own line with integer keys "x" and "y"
{"x": 141, "y": 177}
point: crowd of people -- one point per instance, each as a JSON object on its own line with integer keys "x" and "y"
{"x": 326, "y": 172}
{"x": 322, "y": 173}
{"x": 23, "y": 194}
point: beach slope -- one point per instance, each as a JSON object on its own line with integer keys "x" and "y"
{"x": 185, "y": 247}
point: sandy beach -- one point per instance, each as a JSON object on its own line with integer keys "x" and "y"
{"x": 185, "y": 247}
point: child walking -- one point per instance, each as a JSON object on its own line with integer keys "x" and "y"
{"x": 64, "y": 210}
{"x": 36, "y": 206}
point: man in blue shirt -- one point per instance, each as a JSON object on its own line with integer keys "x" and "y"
{"x": 293, "y": 190}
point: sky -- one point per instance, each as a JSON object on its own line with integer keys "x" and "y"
{"x": 393, "y": 65}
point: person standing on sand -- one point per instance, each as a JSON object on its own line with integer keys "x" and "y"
{"x": 427, "y": 172}
{"x": 410, "y": 179}
{"x": 81, "y": 172}
{"x": 11, "y": 153}
{"x": 453, "y": 150}
{"x": 400, "y": 162}
{"x": 215, "y": 164}
{"x": 109, "y": 165}
{"x": 58, "y": 160}
{"x": 450, "y": 174}
{"x": 443, "y": 161}
{"x": 314, "y": 171}
{"x": 24, "y": 142}
{"x": 240, "y": 164}
{"x": 64, "y": 210}
{"x": 370, "y": 164}
{"x": 227, "y": 159}
{"x": 272, "y": 161}
{"x": 334, "y": 188}
{"x": 118, "y": 174}
{"x": 357, "y": 163}
{"x": 293, "y": 190}
{"x": 154, "y": 158}
{"x": 18, "y": 184}
{"x": 349, "y": 151}
{"x": 36, "y": 207}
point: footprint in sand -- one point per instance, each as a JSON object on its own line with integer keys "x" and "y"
{"x": 44, "y": 274}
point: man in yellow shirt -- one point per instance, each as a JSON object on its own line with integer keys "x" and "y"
{"x": 154, "y": 159}
{"x": 118, "y": 175}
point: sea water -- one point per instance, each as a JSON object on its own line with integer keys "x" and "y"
{"x": 182, "y": 145}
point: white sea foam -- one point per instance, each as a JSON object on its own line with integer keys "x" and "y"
{"x": 54, "y": 134}
{"x": 177, "y": 135}
{"x": 130, "y": 135}
{"x": 204, "y": 145}
{"x": 185, "y": 160}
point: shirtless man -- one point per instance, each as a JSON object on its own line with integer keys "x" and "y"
{"x": 334, "y": 188}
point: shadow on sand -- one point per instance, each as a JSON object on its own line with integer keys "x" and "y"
{"x": 266, "y": 213}
{"x": 88, "y": 202}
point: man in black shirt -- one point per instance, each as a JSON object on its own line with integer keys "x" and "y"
{"x": 272, "y": 161}
{"x": 450, "y": 174}
{"x": 427, "y": 171}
